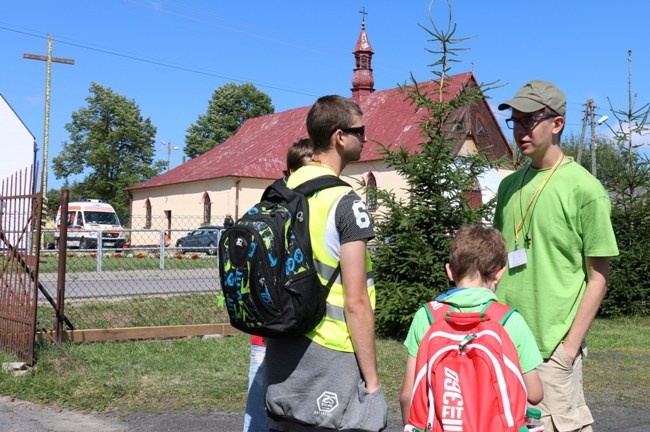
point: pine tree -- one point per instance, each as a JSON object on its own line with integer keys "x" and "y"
{"x": 629, "y": 188}
{"x": 416, "y": 232}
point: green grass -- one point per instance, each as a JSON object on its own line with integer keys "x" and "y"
{"x": 145, "y": 311}
{"x": 125, "y": 260}
{"x": 617, "y": 362}
{"x": 137, "y": 376}
{"x": 206, "y": 374}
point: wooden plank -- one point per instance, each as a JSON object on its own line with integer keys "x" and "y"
{"x": 142, "y": 333}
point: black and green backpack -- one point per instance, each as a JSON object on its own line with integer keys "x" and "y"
{"x": 266, "y": 267}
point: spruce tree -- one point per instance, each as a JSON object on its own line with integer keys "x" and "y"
{"x": 629, "y": 189}
{"x": 415, "y": 232}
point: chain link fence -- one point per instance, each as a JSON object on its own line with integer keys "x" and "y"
{"x": 159, "y": 277}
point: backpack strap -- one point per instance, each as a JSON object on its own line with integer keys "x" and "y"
{"x": 441, "y": 313}
{"x": 314, "y": 185}
{"x": 498, "y": 311}
{"x": 493, "y": 309}
{"x": 319, "y": 183}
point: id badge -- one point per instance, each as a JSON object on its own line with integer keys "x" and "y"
{"x": 517, "y": 258}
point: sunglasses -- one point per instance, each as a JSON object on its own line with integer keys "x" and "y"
{"x": 359, "y": 130}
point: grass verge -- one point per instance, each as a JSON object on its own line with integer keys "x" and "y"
{"x": 141, "y": 311}
{"x": 211, "y": 374}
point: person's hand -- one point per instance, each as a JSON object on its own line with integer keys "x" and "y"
{"x": 372, "y": 387}
{"x": 570, "y": 351}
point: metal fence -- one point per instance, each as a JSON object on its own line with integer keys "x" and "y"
{"x": 162, "y": 278}
{"x": 20, "y": 215}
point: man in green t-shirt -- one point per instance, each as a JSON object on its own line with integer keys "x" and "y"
{"x": 555, "y": 217}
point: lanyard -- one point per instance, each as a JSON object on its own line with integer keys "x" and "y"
{"x": 538, "y": 191}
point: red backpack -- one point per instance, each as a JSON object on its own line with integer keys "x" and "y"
{"x": 467, "y": 373}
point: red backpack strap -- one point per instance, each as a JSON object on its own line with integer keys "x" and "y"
{"x": 498, "y": 311}
{"x": 436, "y": 313}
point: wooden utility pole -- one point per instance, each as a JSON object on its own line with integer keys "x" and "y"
{"x": 592, "y": 146}
{"x": 48, "y": 59}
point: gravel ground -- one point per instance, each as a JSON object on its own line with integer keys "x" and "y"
{"x": 20, "y": 416}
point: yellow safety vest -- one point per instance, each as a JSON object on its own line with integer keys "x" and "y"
{"x": 332, "y": 332}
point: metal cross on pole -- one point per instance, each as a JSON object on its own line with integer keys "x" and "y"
{"x": 46, "y": 132}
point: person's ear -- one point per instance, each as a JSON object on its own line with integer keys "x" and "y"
{"x": 499, "y": 273}
{"x": 558, "y": 124}
{"x": 337, "y": 138}
{"x": 450, "y": 272}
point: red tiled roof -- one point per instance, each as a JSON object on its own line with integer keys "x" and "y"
{"x": 258, "y": 149}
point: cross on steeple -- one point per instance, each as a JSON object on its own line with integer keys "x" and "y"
{"x": 363, "y": 17}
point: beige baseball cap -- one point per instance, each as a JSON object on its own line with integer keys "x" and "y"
{"x": 535, "y": 95}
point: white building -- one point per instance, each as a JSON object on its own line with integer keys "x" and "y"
{"x": 17, "y": 143}
{"x": 18, "y": 149}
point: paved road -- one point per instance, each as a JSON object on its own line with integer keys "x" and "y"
{"x": 19, "y": 416}
{"x": 133, "y": 282}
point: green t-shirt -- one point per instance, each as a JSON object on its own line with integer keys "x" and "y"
{"x": 570, "y": 220}
{"x": 474, "y": 300}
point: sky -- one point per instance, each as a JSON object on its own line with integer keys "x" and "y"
{"x": 169, "y": 56}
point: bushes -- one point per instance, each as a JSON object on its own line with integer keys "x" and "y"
{"x": 629, "y": 283}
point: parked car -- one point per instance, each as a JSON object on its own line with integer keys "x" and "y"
{"x": 203, "y": 239}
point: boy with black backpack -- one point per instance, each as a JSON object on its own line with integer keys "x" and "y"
{"x": 255, "y": 419}
{"x": 472, "y": 361}
{"x": 326, "y": 379}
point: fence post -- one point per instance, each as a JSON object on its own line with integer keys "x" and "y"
{"x": 60, "y": 280}
{"x": 162, "y": 250}
{"x": 100, "y": 252}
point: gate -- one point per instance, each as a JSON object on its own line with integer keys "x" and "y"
{"x": 20, "y": 233}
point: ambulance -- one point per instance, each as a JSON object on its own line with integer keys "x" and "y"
{"x": 88, "y": 219}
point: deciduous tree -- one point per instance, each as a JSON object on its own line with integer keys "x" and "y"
{"x": 112, "y": 145}
{"x": 230, "y": 105}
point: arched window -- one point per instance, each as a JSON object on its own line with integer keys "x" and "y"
{"x": 371, "y": 192}
{"x": 207, "y": 209}
{"x": 147, "y": 217}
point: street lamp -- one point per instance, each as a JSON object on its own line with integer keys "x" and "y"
{"x": 170, "y": 147}
{"x": 600, "y": 121}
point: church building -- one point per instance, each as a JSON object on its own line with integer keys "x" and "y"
{"x": 230, "y": 178}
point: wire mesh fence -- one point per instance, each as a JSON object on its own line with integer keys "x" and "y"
{"x": 158, "y": 278}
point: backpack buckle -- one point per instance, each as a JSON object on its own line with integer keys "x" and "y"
{"x": 466, "y": 340}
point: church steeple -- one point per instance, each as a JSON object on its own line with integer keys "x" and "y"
{"x": 362, "y": 79}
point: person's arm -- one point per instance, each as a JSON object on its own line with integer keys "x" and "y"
{"x": 359, "y": 315}
{"x": 597, "y": 277}
{"x": 533, "y": 387}
{"x": 407, "y": 388}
